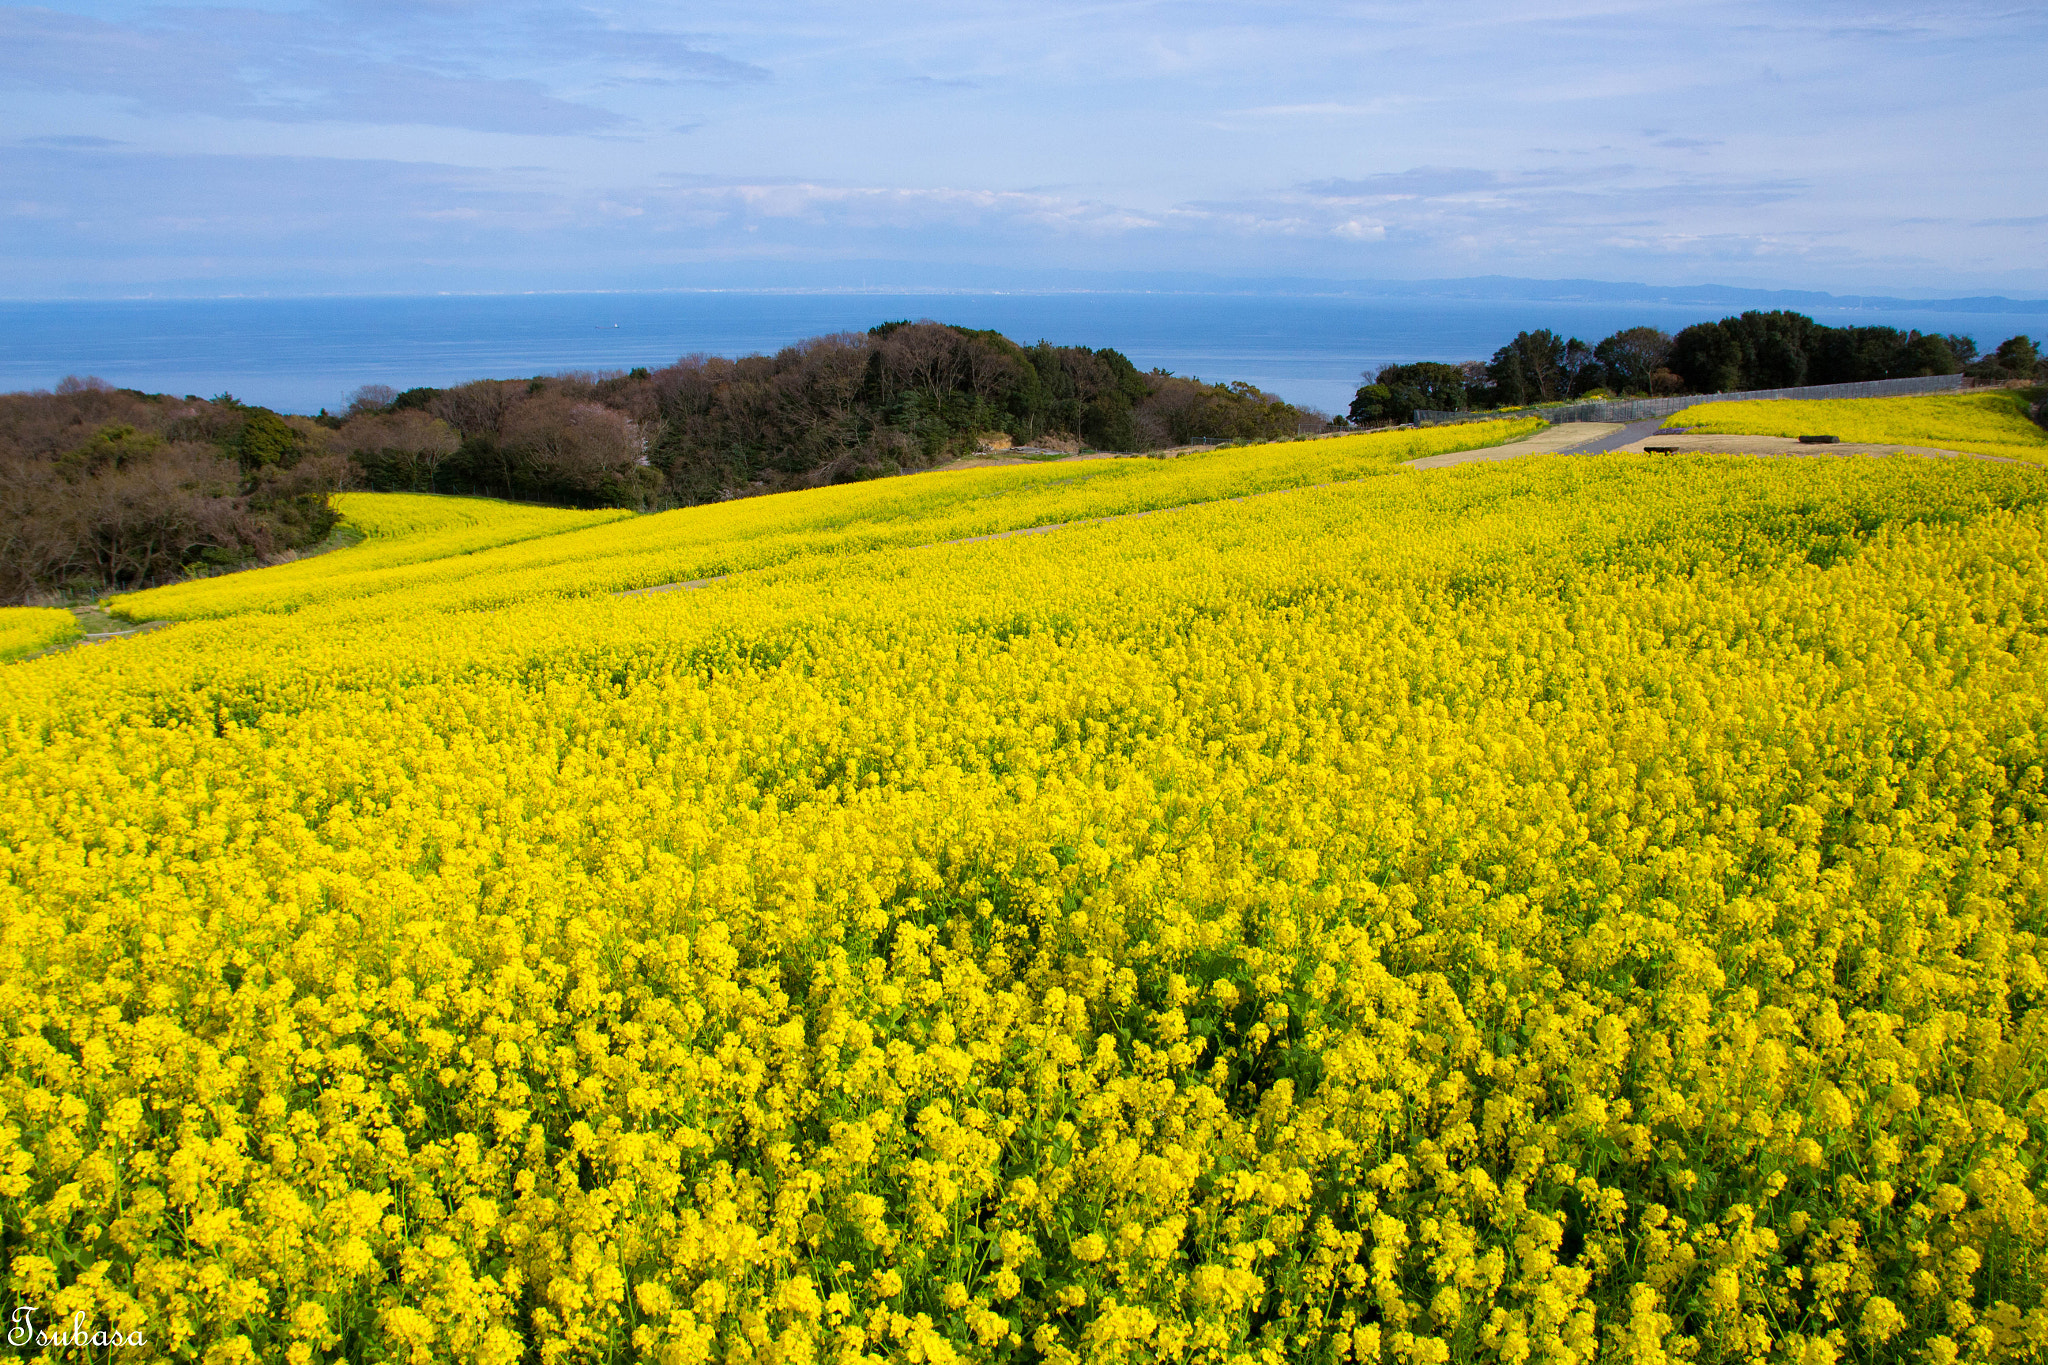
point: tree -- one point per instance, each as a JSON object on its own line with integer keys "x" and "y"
{"x": 1849, "y": 355}
{"x": 574, "y": 451}
{"x": 103, "y": 488}
{"x": 1629, "y": 358}
{"x": 1107, "y": 424}
{"x": 399, "y": 451}
{"x": 1776, "y": 360}
{"x": 1928, "y": 354}
{"x": 1707, "y": 356}
{"x": 2019, "y": 356}
{"x": 266, "y": 439}
{"x": 1397, "y": 391}
{"x": 1578, "y": 363}
{"x": 1375, "y": 403}
{"x": 371, "y": 398}
{"x": 1529, "y": 369}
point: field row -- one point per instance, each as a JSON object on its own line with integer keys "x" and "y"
{"x": 29, "y": 630}
{"x": 753, "y": 533}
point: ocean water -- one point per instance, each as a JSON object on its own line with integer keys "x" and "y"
{"x": 301, "y": 355}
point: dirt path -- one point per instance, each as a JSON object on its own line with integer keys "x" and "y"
{"x": 99, "y": 628}
{"x": 1086, "y": 521}
{"x": 1634, "y": 438}
{"x": 972, "y": 540}
{"x": 993, "y": 460}
{"x": 1560, "y": 439}
{"x": 1681, "y": 443}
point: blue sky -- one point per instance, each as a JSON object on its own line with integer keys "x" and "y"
{"x": 441, "y": 145}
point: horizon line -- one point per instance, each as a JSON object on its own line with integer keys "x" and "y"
{"x": 1357, "y": 288}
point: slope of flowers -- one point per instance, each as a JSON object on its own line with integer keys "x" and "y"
{"x": 749, "y": 533}
{"x": 389, "y": 516}
{"x": 26, "y": 630}
{"x": 399, "y": 529}
{"x": 1991, "y": 423}
{"x": 1532, "y": 912}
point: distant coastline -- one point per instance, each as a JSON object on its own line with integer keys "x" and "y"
{"x": 300, "y": 354}
{"x": 1471, "y": 289}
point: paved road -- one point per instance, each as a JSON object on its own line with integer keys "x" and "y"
{"x": 1626, "y": 435}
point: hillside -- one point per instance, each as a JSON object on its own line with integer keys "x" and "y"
{"x": 109, "y": 490}
{"x": 1547, "y": 909}
{"x": 514, "y": 553}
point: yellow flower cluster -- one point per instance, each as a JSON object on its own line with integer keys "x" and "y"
{"x": 1985, "y": 423}
{"x": 389, "y": 517}
{"x": 399, "y": 529}
{"x": 751, "y": 533}
{"x": 1543, "y": 911}
{"x": 27, "y": 630}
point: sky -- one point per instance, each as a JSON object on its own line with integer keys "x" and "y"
{"x": 438, "y": 145}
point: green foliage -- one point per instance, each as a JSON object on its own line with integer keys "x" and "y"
{"x": 266, "y": 442}
{"x": 2017, "y": 359}
{"x": 2019, "y": 355}
{"x": 907, "y": 395}
{"x": 1781, "y": 350}
{"x": 1756, "y": 350}
{"x": 114, "y": 446}
{"x": 414, "y": 398}
{"x": 1529, "y": 369}
{"x": 1398, "y": 390}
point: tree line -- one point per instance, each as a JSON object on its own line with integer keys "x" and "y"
{"x": 108, "y": 489}
{"x": 1756, "y": 350}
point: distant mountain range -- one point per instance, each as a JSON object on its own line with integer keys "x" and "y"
{"x": 1507, "y": 287}
{"x": 889, "y": 277}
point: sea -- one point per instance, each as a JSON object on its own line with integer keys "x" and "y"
{"x": 306, "y": 354}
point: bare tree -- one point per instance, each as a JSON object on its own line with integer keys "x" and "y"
{"x": 584, "y": 447}
{"x": 371, "y": 398}
{"x": 406, "y": 449}
{"x": 925, "y": 357}
{"x": 476, "y": 408}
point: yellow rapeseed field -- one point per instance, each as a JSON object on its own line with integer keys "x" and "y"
{"x": 1985, "y": 423}
{"x": 399, "y": 529}
{"x": 26, "y": 630}
{"x": 388, "y": 517}
{"x": 1546, "y": 911}
{"x": 750, "y": 533}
